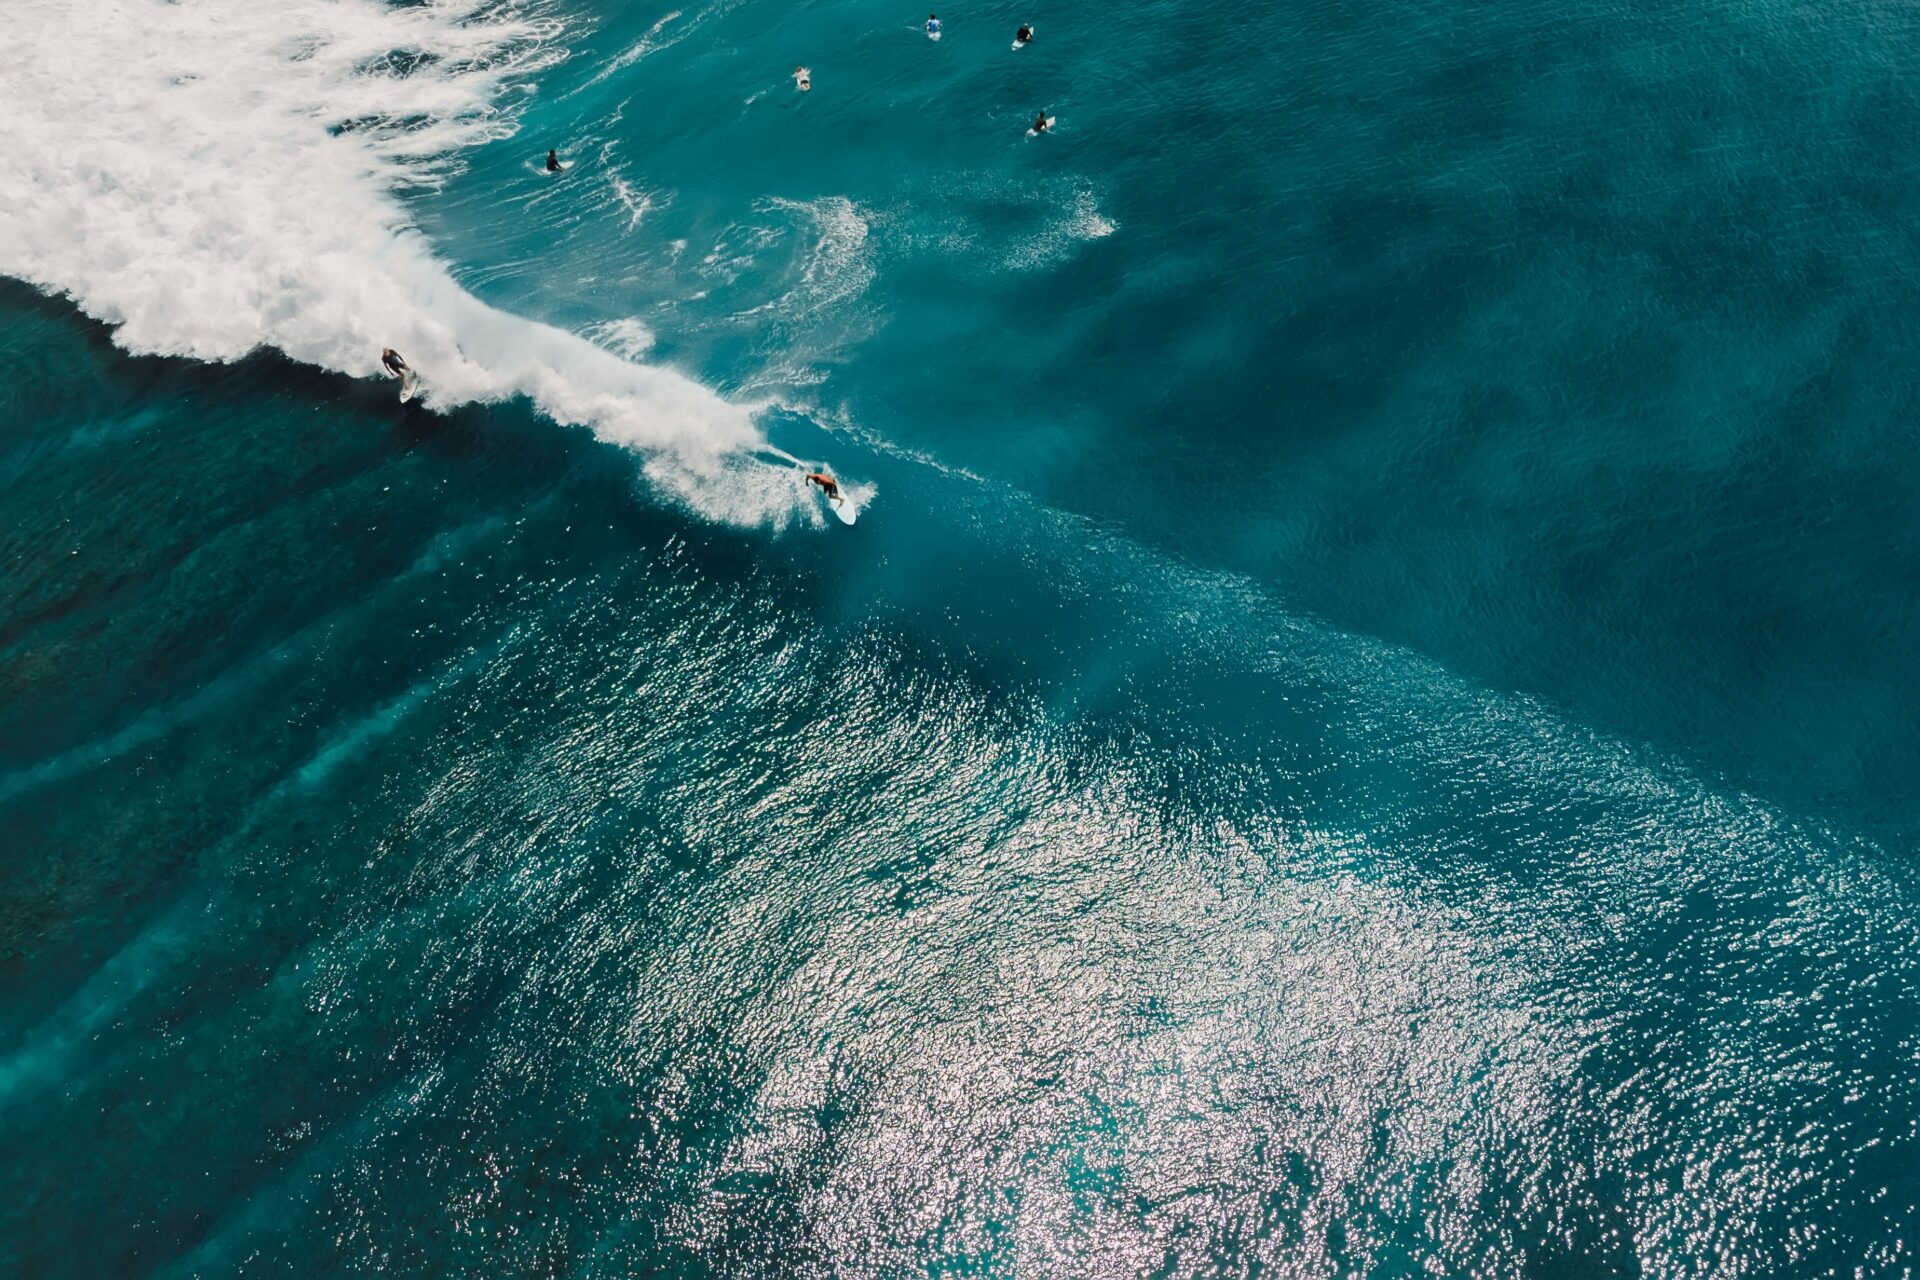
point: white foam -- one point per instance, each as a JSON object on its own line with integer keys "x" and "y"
{"x": 656, "y": 39}
{"x": 1080, "y": 222}
{"x": 217, "y": 175}
{"x": 637, "y": 204}
{"x": 628, "y": 337}
{"x": 1088, "y": 222}
{"x": 838, "y": 265}
{"x": 1007, "y": 223}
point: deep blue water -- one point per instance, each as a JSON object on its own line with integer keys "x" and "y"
{"x": 1367, "y": 728}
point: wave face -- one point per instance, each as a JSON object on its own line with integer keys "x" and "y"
{"x": 1256, "y": 799}
{"x": 210, "y": 178}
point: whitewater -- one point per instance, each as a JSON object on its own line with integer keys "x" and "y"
{"x": 214, "y": 176}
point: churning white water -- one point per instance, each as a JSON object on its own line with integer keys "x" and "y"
{"x": 212, "y": 176}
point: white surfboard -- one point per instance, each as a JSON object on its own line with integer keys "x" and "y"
{"x": 1034, "y": 133}
{"x": 408, "y": 386}
{"x": 933, "y": 35}
{"x": 847, "y": 512}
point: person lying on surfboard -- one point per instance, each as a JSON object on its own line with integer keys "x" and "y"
{"x": 394, "y": 364}
{"x": 827, "y": 484}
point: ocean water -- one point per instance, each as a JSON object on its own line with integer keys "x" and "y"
{"x": 1366, "y": 726}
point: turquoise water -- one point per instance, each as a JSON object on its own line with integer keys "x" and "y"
{"x": 1365, "y": 727}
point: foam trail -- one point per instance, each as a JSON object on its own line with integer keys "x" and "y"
{"x": 652, "y": 42}
{"x": 217, "y": 175}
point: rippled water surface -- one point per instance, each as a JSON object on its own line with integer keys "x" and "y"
{"x": 1365, "y": 726}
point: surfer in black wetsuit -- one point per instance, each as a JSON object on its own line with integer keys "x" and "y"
{"x": 553, "y": 162}
{"x": 1024, "y": 34}
{"x": 1040, "y": 124}
{"x": 394, "y": 364}
{"x": 827, "y": 485}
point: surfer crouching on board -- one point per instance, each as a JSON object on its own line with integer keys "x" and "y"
{"x": 828, "y": 485}
{"x": 391, "y": 361}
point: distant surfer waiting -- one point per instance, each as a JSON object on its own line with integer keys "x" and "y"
{"x": 803, "y": 78}
{"x": 1023, "y": 35}
{"x": 1041, "y": 123}
{"x": 933, "y": 27}
{"x": 553, "y": 162}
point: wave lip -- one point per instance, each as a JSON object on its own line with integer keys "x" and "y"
{"x": 214, "y": 177}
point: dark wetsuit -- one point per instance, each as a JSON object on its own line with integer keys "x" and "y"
{"x": 553, "y": 162}
{"x": 395, "y": 365}
{"x": 1023, "y": 35}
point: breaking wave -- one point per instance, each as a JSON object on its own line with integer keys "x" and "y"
{"x": 214, "y": 176}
